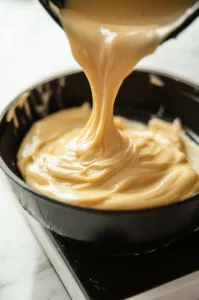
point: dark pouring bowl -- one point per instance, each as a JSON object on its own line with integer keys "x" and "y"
{"x": 101, "y": 230}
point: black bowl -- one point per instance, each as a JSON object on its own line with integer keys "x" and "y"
{"x": 115, "y": 231}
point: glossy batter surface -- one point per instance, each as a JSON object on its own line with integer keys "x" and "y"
{"x": 149, "y": 167}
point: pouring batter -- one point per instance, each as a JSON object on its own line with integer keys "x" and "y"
{"x": 86, "y": 157}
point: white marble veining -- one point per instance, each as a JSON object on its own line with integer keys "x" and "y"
{"x": 32, "y": 47}
{"x": 25, "y": 272}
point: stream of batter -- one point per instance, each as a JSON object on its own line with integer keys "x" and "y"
{"x": 90, "y": 158}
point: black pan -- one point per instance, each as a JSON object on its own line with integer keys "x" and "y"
{"x": 109, "y": 231}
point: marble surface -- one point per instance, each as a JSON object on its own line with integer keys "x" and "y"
{"x": 32, "y": 48}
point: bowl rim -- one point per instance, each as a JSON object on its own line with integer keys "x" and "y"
{"x": 7, "y": 171}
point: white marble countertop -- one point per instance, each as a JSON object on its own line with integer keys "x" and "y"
{"x": 33, "y": 47}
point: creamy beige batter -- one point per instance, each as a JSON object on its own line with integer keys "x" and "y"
{"x": 88, "y": 157}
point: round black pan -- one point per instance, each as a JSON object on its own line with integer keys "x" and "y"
{"x": 108, "y": 231}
